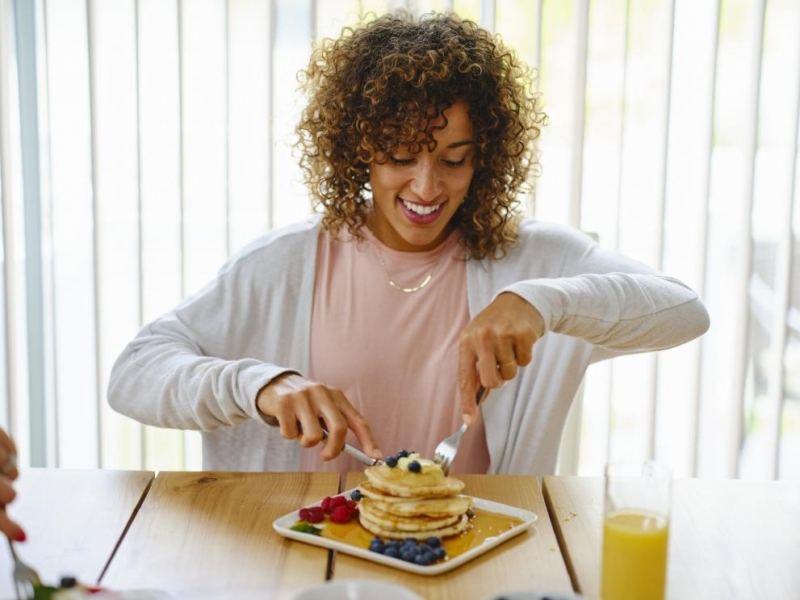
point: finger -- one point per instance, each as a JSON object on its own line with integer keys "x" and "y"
{"x": 7, "y": 492}
{"x": 523, "y": 352}
{"x": 507, "y": 369}
{"x": 11, "y": 528}
{"x": 330, "y": 413}
{"x": 309, "y": 409}
{"x": 7, "y": 442}
{"x": 308, "y": 423}
{"x": 490, "y": 376}
{"x": 8, "y": 464}
{"x": 360, "y": 427}
{"x": 468, "y": 381}
{"x": 284, "y": 412}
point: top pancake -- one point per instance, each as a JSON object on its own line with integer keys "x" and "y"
{"x": 400, "y": 481}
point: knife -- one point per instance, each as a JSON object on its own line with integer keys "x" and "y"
{"x": 355, "y": 453}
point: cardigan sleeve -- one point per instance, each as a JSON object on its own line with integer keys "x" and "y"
{"x": 612, "y": 301}
{"x": 174, "y": 374}
{"x": 201, "y": 365}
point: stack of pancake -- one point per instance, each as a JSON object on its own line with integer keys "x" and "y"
{"x": 421, "y": 502}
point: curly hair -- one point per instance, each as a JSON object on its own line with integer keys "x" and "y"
{"x": 378, "y": 87}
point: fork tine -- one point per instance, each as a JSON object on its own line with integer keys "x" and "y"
{"x": 445, "y": 452}
{"x": 20, "y": 591}
{"x": 25, "y": 577}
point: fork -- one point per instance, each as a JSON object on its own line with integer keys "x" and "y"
{"x": 445, "y": 452}
{"x": 25, "y": 577}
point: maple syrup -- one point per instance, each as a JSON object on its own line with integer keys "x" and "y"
{"x": 483, "y": 526}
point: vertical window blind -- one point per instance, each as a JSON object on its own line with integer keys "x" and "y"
{"x": 144, "y": 141}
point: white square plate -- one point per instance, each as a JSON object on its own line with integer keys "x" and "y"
{"x": 283, "y": 526}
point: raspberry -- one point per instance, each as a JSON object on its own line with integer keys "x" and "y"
{"x": 337, "y": 501}
{"x": 341, "y": 514}
{"x": 351, "y": 504}
{"x": 315, "y": 515}
{"x": 326, "y": 505}
{"x": 312, "y": 514}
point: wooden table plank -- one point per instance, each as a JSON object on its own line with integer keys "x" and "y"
{"x": 531, "y": 560}
{"x": 209, "y": 535}
{"x": 73, "y": 518}
{"x": 729, "y": 539}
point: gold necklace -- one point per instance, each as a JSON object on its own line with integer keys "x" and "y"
{"x": 398, "y": 287}
{"x": 406, "y": 290}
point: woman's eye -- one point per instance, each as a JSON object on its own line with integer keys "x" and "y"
{"x": 455, "y": 163}
{"x": 400, "y": 161}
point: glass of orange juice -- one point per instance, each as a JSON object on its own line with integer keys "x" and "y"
{"x": 636, "y": 531}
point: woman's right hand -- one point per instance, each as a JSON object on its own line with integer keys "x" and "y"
{"x": 301, "y": 407}
{"x": 8, "y": 473}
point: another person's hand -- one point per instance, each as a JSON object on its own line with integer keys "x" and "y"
{"x": 301, "y": 407}
{"x": 495, "y": 344}
{"x": 8, "y": 473}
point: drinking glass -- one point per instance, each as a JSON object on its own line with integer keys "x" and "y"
{"x": 636, "y": 530}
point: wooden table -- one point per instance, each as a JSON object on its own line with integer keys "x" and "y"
{"x": 203, "y": 535}
{"x": 729, "y": 539}
{"x": 74, "y": 520}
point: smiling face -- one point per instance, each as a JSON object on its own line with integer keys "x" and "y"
{"x": 415, "y": 196}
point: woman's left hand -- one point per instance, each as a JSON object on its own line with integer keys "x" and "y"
{"x": 495, "y": 344}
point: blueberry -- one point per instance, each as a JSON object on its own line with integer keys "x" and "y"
{"x": 402, "y": 454}
{"x": 439, "y": 553}
{"x": 355, "y": 495}
{"x": 414, "y": 466}
{"x": 376, "y": 545}
{"x": 410, "y": 542}
{"x": 433, "y": 542}
{"x": 391, "y": 552}
{"x": 423, "y": 558}
{"x": 393, "y": 544}
{"x": 391, "y": 461}
{"x": 68, "y": 582}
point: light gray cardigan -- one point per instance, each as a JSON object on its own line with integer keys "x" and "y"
{"x": 201, "y": 365}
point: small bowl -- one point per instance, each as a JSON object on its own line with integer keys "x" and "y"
{"x": 356, "y": 589}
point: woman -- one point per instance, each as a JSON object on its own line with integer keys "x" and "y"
{"x": 8, "y": 473}
{"x": 418, "y": 282}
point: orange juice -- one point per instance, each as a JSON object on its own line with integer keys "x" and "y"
{"x": 634, "y": 555}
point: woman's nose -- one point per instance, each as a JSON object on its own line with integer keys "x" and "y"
{"x": 425, "y": 182}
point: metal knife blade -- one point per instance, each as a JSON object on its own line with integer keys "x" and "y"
{"x": 355, "y": 453}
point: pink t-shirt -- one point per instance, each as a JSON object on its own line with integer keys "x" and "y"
{"x": 393, "y": 354}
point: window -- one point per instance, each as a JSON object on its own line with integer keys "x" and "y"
{"x": 144, "y": 141}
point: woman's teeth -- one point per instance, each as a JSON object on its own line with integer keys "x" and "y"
{"x": 420, "y": 209}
